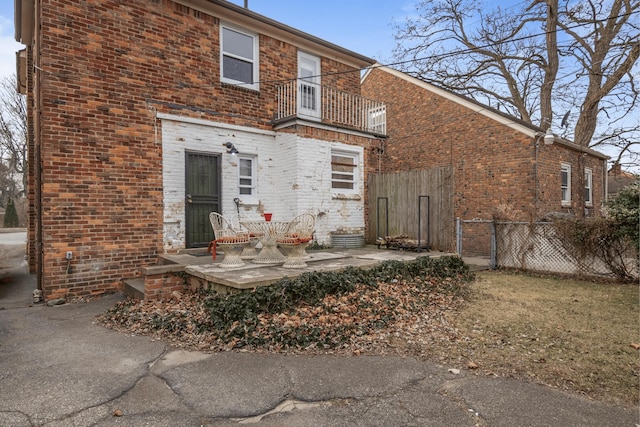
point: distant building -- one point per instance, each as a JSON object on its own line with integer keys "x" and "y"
{"x": 618, "y": 179}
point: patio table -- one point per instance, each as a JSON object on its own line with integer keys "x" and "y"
{"x": 268, "y": 233}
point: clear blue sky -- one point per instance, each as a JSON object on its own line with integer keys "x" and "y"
{"x": 365, "y": 27}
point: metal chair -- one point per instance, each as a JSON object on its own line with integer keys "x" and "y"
{"x": 231, "y": 241}
{"x": 296, "y": 239}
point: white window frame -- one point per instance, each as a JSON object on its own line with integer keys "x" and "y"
{"x": 254, "y": 60}
{"x": 245, "y": 197}
{"x": 309, "y": 86}
{"x": 355, "y": 181}
{"x": 588, "y": 187}
{"x": 565, "y": 168}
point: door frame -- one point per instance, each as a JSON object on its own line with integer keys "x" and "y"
{"x": 314, "y": 84}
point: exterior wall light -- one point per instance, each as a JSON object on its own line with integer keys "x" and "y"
{"x": 231, "y": 149}
{"x": 549, "y": 137}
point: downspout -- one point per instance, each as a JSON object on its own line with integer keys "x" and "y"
{"x": 37, "y": 94}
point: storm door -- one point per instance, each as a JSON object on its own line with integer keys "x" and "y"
{"x": 202, "y": 196}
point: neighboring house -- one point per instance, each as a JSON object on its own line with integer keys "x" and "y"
{"x": 144, "y": 116}
{"x": 499, "y": 166}
{"x": 618, "y": 179}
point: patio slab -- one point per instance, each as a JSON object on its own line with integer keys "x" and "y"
{"x": 251, "y": 275}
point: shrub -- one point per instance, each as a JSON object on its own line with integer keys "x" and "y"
{"x": 612, "y": 239}
{"x": 623, "y": 211}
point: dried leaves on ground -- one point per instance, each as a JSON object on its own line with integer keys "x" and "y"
{"x": 428, "y": 309}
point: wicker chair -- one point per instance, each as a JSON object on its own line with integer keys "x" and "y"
{"x": 296, "y": 239}
{"x": 229, "y": 239}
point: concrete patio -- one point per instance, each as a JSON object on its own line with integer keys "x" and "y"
{"x": 202, "y": 269}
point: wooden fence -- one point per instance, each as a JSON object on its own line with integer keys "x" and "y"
{"x": 417, "y": 204}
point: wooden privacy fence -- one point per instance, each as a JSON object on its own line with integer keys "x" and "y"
{"x": 416, "y": 204}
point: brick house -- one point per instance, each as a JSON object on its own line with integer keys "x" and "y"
{"x": 144, "y": 116}
{"x": 501, "y": 166}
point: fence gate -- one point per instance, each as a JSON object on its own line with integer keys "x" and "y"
{"x": 476, "y": 238}
{"x": 416, "y": 204}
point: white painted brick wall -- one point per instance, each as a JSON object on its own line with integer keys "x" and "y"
{"x": 294, "y": 176}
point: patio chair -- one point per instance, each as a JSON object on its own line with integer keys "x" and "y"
{"x": 231, "y": 241}
{"x": 296, "y": 238}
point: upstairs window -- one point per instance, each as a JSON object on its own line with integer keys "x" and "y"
{"x": 246, "y": 176}
{"x": 239, "y": 57}
{"x": 588, "y": 187}
{"x": 343, "y": 171}
{"x": 565, "y": 184}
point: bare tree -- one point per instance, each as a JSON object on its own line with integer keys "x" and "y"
{"x": 542, "y": 61}
{"x": 13, "y": 139}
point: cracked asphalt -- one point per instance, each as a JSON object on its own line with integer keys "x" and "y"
{"x": 59, "y": 368}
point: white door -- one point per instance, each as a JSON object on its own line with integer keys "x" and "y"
{"x": 309, "y": 86}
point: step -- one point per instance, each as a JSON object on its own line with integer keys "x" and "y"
{"x": 134, "y": 288}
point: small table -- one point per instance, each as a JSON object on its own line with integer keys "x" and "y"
{"x": 267, "y": 233}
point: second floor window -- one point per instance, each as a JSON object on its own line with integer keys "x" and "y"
{"x": 246, "y": 176}
{"x": 565, "y": 185}
{"x": 343, "y": 171}
{"x": 588, "y": 187}
{"x": 239, "y": 57}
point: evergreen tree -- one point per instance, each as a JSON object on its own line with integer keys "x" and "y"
{"x": 11, "y": 215}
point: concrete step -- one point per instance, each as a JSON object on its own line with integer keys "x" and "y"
{"x": 134, "y": 288}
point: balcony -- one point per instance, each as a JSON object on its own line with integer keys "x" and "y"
{"x": 305, "y": 100}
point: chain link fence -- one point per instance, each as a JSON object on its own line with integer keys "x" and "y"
{"x": 533, "y": 246}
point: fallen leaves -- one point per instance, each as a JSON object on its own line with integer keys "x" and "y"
{"x": 398, "y": 317}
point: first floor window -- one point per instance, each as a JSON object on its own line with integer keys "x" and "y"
{"x": 565, "y": 178}
{"x": 588, "y": 187}
{"x": 246, "y": 176}
{"x": 343, "y": 171}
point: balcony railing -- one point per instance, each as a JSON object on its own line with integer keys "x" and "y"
{"x": 303, "y": 99}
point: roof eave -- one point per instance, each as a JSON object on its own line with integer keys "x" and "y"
{"x": 252, "y": 20}
{"x": 23, "y": 20}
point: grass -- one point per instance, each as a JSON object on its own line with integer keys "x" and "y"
{"x": 570, "y": 334}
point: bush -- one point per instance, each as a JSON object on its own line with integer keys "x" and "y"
{"x": 623, "y": 210}
{"x": 612, "y": 239}
{"x": 11, "y": 215}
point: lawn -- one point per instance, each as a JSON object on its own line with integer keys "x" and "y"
{"x": 574, "y": 335}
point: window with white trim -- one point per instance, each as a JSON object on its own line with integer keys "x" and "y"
{"x": 588, "y": 187}
{"x": 344, "y": 171}
{"x": 565, "y": 179}
{"x": 239, "y": 57}
{"x": 246, "y": 176}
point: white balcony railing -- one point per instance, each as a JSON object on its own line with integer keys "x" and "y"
{"x": 303, "y": 99}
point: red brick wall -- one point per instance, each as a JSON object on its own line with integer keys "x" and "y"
{"x": 492, "y": 163}
{"x": 496, "y": 170}
{"x": 108, "y": 67}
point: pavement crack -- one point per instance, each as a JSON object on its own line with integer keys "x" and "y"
{"x": 287, "y": 405}
{"x": 462, "y": 404}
